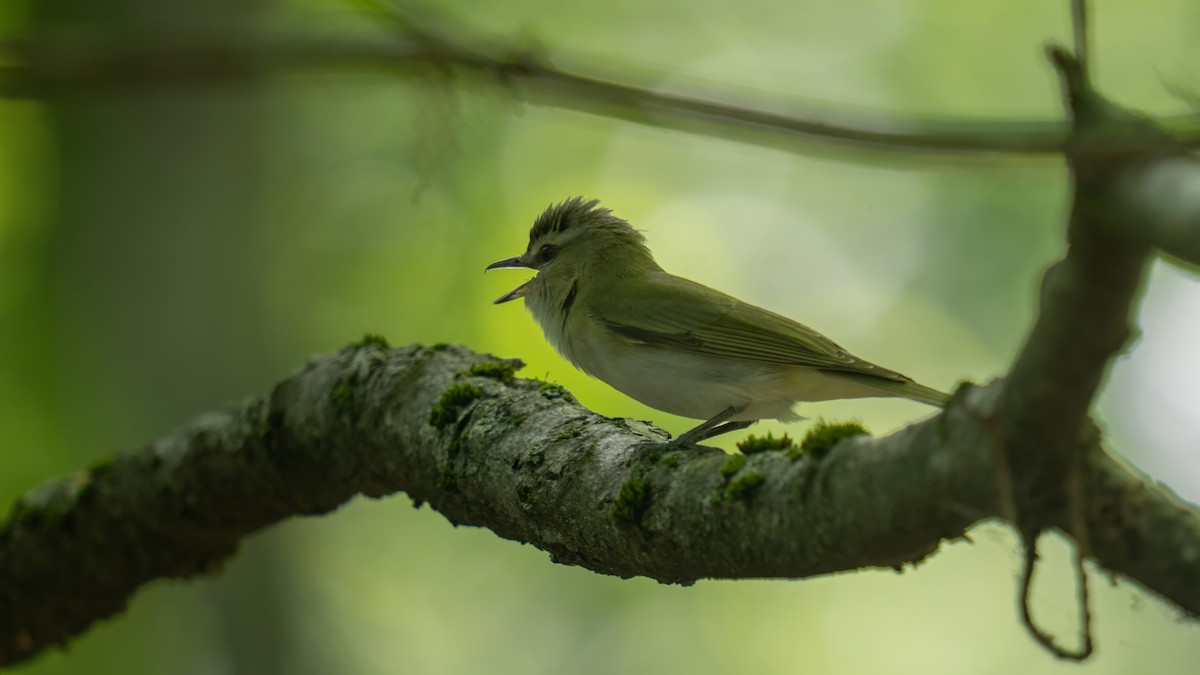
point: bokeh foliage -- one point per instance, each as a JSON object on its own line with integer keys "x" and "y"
{"x": 166, "y": 250}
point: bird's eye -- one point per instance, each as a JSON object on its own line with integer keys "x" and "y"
{"x": 547, "y": 252}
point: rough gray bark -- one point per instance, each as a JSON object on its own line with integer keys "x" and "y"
{"x": 525, "y": 460}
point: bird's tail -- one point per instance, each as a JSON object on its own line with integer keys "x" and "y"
{"x": 908, "y": 389}
{"x": 921, "y": 393}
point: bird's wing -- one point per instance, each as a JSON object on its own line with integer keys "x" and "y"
{"x": 679, "y": 314}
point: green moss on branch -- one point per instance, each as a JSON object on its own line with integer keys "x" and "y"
{"x": 454, "y": 399}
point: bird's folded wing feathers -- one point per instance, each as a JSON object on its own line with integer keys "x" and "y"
{"x": 680, "y": 314}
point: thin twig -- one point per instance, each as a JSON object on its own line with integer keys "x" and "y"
{"x": 1043, "y": 638}
{"x": 1079, "y": 25}
{"x": 1077, "y": 500}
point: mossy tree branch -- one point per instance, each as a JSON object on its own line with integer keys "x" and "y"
{"x": 524, "y": 459}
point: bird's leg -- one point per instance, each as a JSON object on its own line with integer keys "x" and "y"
{"x": 719, "y": 424}
{"x": 726, "y": 428}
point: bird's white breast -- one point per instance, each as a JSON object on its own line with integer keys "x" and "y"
{"x": 685, "y": 383}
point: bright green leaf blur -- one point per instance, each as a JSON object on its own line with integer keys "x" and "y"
{"x": 165, "y": 251}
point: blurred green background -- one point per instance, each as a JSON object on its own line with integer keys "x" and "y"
{"x": 165, "y": 250}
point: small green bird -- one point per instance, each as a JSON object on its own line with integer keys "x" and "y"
{"x": 674, "y": 344}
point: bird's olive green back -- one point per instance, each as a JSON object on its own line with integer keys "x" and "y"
{"x": 672, "y": 312}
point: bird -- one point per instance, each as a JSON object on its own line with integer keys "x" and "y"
{"x": 673, "y": 344}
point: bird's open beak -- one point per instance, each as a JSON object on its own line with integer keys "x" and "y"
{"x": 519, "y": 291}
{"x": 508, "y": 263}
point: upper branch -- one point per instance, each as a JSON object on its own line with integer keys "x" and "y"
{"x": 54, "y": 68}
{"x": 1160, "y": 200}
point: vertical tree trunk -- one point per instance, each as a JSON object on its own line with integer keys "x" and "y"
{"x": 158, "y": 279}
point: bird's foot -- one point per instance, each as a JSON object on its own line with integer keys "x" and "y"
{"x": 689, "y": 439}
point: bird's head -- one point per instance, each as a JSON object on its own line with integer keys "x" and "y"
{"x": 576, "y": 239}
